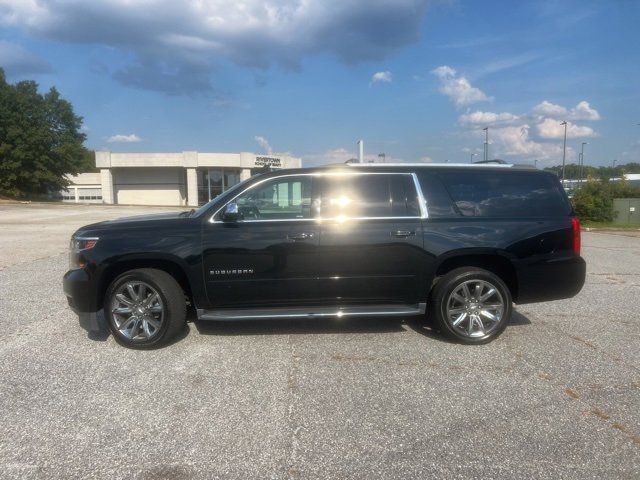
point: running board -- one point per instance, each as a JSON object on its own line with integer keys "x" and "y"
{"x": 312, "y": 312}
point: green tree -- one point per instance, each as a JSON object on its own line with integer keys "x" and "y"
{"x": 40, "y": 140}
{"x": 88, "y": 163}
{"x": 572, "y": 170}
{"x": 623, "y": 189}
{"x": 594, "y": 201}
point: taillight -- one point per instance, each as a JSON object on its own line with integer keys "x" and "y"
{"x": 575, "y": 227}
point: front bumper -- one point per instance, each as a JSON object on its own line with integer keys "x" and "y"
{"x": 80, "y": 291}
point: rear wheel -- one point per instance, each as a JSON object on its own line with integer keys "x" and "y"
{"x": 145, "y": 308}
{"x": 471, "y": 305}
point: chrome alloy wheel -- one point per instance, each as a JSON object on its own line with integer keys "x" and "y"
{"x": 137, "y": 310}
{"x": 475, "y": 308}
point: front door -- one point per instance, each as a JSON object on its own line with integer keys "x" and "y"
{"x": 269, "y": 256}
{"x": 371, "y": 239}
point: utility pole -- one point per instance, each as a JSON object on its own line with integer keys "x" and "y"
{"x": 564, "y": 150}
{"x": 580, "y": 166}
{"x": 582, "y": 162}
{"x": 486, "y": 143}
{"x": 473, "y": 155}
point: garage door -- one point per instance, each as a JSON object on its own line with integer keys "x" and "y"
{"x": 149, "y": 186}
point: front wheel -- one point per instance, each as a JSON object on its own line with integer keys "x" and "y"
{"x": 145, "y": 308}
{"x": 471, "y": 305}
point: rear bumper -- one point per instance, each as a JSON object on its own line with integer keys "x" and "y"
{"x": 79, "y": 289}
{"x": 552, "y": 279}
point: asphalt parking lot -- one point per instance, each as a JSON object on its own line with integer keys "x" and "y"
{"x": 556, "y": 396}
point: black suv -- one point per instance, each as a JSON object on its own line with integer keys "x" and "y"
{"x": 458, "y": 243}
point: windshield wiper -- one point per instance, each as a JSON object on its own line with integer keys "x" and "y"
{"x": 187, "y": 213}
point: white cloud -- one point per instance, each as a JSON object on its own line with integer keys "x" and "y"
{"x": 551, "y": 128}
{"x": 132, "y": 138}
{"x": 548, "y": 109}
{"x": 458, "y": 88}
{"x": 582, "y": 111}
{"x": 515, "y": 142}
{"x": 483, "y": 119}
{"x": 382, "y": 77}
{"x": 176, "y": 45}
{"x": 264, "y": 144}
{"x": 533, "y": 135}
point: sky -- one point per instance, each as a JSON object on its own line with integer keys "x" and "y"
{"x": 417, "y": 80}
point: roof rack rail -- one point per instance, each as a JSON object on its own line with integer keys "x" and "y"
{"x": 422, "y": 164}
{"x": 495, "y": 161}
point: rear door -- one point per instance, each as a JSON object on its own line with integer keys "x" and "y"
{"x": 370, "y": 247}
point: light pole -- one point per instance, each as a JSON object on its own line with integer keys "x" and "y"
{"x": 535, "y": 163}
{"x": 473, "y": 155}
{"x": 486, "y": 143}
{"x": 564, "y": 150}
{"x": 582, "y": 161}
{"x": 614, "y": 165}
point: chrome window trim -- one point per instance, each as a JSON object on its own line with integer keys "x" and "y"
{"x": 424, "y": 214}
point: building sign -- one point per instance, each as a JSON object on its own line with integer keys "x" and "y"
{"x": 268, "y": 162}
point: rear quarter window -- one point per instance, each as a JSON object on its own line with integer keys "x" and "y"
{"x": 505, "y": 194}
{"x": 439, "y": 204}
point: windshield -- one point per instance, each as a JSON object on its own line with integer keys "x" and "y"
{"x": 230, "y": 192}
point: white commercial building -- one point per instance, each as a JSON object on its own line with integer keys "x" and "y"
{"x": 186, "y": 178}
{"x": 85, "y": 188}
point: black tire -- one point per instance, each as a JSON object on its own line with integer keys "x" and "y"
{"x": 173, "y": 306}
{"x": 451, "y": 282}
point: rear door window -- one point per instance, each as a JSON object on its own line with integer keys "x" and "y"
{"x": 505, "y": 194}
{"x": 368, "y": 196}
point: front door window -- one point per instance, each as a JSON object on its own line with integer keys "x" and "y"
{"x": 283, "y": 198}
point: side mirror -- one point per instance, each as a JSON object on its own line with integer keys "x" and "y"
{"x": 231, "y": 213}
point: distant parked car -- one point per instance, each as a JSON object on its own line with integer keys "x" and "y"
{"x": 457, "y": 242}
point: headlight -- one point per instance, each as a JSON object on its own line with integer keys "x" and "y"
{"x": 76, "y": 247}
{"x": 83, "y": 243}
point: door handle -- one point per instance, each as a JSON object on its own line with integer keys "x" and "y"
{"x": 402, "y": 233}
{"x": 300, "y": 236}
